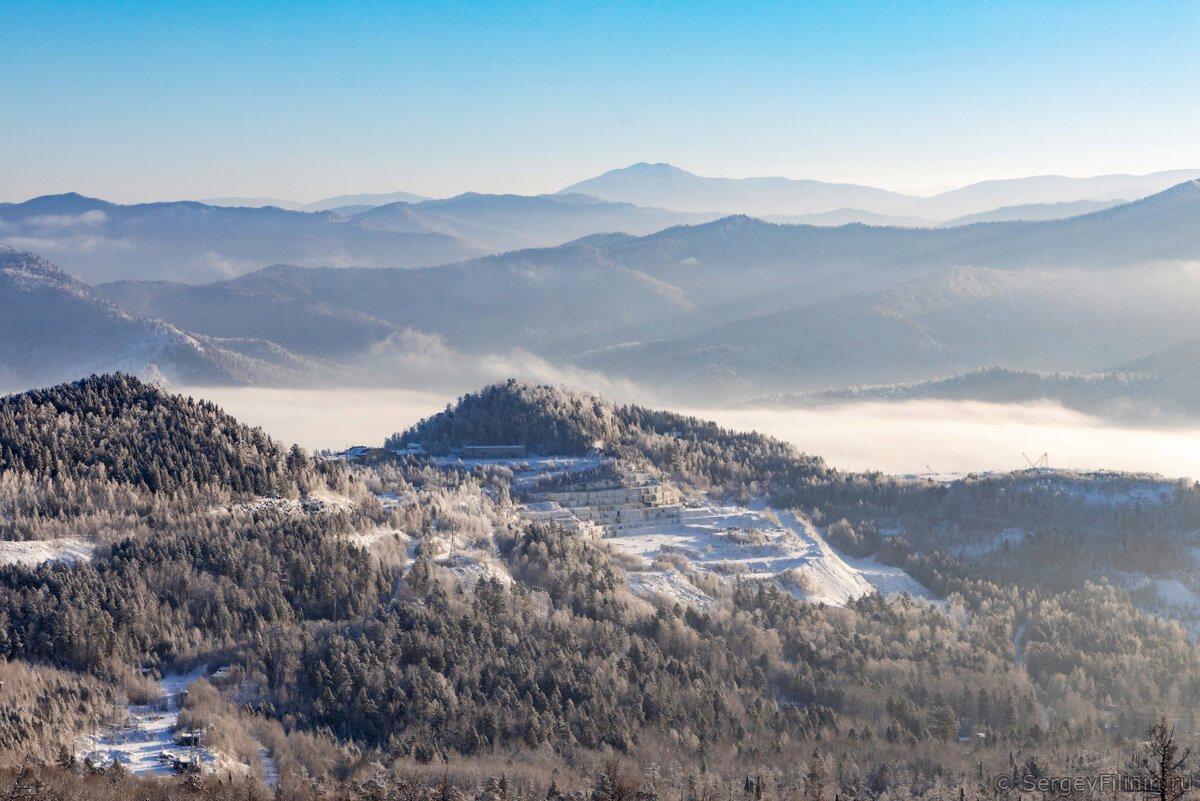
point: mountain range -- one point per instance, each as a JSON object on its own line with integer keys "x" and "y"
{"x": 327, "y": 204}
{"x": 195, "y": 243}
{"x": 101, "y": 241}
{"x": 512, "y": 222}
{"x": 670, "y": 187}
{"x": 55, "y": 326}
{"x": 720, "y": 310}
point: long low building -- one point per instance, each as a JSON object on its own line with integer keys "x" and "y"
{"x": 493, "y": 451}
{"x": 600, "y": 508}
{"x": 549, "y": 511}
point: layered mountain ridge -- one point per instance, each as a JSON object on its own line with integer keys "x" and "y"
{"x": 724, "y": 310}
{"x": 56, "y": 326}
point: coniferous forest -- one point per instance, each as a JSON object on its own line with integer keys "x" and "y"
{"x": 392, "y": 626}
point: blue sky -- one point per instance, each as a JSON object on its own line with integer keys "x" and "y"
{"x": 138, "y": 101}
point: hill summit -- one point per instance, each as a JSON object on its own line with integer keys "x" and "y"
{"x": 118, "y": 428}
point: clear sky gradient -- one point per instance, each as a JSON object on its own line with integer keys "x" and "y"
{"x": 166, "y": 100}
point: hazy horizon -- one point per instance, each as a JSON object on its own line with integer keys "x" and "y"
{"x": 927, "y": 191}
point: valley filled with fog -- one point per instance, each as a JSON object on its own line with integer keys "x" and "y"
{"x": 1085, "y": 298}
{"x": 899, "y": 437}
{"x": 958, "y": 437}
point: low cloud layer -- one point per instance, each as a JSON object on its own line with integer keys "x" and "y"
{"x": 324, "y": 418}
{"x": 415, "y": 358}
{"x": 963, "y": 436}
{"x": 901, "y": 438}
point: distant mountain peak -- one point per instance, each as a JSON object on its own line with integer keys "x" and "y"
{"x": 663, "y": 185}
{"x": 65, "y": 203}
{"x": 1181, "y": 197}
{"x": 1187, "y": 188}
{"x": 735, "y": 222}
{"x": 643, "y": 169}
{"x": 658, "y": 166}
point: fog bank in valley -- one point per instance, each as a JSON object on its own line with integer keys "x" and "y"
{"x": 325, "y": 418}
{"x": 900, "y": 437}
{"x": 964, "y": 436}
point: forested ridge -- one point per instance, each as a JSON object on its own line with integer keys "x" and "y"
{"x": 551, "y": 420}
{"x": 360, "y": 652}
{"x": 118, "y": 428}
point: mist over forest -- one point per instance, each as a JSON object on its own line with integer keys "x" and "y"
{"x": 1092, "y": 311}
{"x": 902, "y": 437}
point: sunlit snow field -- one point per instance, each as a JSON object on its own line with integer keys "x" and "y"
{"x": 906, "y": 437}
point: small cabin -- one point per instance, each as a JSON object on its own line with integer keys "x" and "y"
{"x": 190, "y": 739}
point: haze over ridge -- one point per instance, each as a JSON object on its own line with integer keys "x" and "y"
{"x": 725, "y": 309}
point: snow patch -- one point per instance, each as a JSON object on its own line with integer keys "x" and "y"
{"x": 320, "y": 502}
{"x": 890, "y": 581}
{"x": 471, "y": 567}
{"x": 734, "y": 541}
{"x": 326, "y": 501}
{"x": 368, "y": 539}
{"x": 389, "y": 500}
{"x": 651, "y": 583}
{"x": 270, "y": 769}
{"x": 32, "y": 553}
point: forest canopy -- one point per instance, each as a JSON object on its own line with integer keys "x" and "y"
{"x": 399, "y": 612}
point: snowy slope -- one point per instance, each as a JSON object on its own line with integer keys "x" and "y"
{"x": 662, "y": 543}
{"x": 32, "y": 553}
{"x": 148, "y": 731}
{"x": 733, "y": 540}
{"x": 671, "y": 541}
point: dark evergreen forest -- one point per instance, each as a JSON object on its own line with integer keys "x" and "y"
{"x": 378, "y": 672}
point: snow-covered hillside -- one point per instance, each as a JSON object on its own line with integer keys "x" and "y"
{"x": 143, "y": 737}
{"x": 732, "y": 541}
{"x": 672, "y": 538}
{"x": 663, "y": 538}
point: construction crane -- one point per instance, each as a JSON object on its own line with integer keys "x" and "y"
{"x": 1040, "y": 463}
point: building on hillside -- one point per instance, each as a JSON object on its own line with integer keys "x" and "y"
{"x": 493, "y": 451}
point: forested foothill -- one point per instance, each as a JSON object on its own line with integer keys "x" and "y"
{"x": 370, "y": 658}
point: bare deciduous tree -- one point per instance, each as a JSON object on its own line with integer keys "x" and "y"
{"x": 1162, "y": 766}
